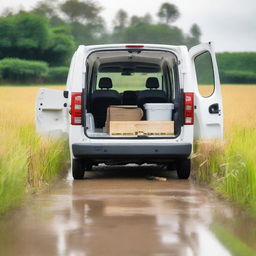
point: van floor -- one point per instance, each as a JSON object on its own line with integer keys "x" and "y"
{"x": 98, "y": 132}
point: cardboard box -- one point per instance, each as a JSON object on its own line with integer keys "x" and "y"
{"x": 141, "y": 128}
{"x": 123, "y": 113}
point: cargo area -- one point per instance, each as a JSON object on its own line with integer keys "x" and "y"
{"x": 132, "y": 93}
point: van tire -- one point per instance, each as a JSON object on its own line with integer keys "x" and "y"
{"x": 78, "y": 169}
{"x": 183, "y": 168}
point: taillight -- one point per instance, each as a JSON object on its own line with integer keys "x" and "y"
{"x": 76, "y": 108}
{"x": 134, "y": 46}
{"x": 188, "y": 108}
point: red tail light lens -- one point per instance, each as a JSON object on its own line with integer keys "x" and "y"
{"x": 134, "y": 46}
{"x": 76, "y": 108}
{"x": 188, "y": 108}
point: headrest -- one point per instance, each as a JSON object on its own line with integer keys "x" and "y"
{"x": 152, "y": 82}
{"x": 105, "y": 82}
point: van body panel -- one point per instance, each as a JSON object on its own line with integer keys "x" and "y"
{"x": 76, "y": 77}
{"x": 128, "y": 151}
{"x": 51, "y": 113}
{"x": 207, "y": 125}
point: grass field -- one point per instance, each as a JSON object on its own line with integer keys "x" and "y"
{"x": 229, "y": 166}
{"x": 239, "y": 104}
{"x": 27, "y": 160}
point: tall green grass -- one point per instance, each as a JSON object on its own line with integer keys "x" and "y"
{"x": 230, "y": 166}
{"x": 27, "y": 161}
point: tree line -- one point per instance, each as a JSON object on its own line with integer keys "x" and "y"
{"x": 47, "y": 35}
{"x": 52, "y": 30}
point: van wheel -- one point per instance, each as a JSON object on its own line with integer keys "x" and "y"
{"x": 183, "y": 168}
{"x": 78, "y": 169}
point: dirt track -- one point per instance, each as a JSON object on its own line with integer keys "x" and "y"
{"x": 117, "y": 211}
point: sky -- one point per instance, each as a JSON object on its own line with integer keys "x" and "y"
{"x": 230, "y": 24}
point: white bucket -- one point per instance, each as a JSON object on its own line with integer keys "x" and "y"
{"x": 159, "y": 111}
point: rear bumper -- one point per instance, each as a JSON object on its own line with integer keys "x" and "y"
{"x": 126, "y": 151}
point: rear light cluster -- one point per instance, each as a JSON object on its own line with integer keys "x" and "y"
{"x": 189, "y": 108}
{"x": 76, "y": 108}
{"x": 134, "y": 46}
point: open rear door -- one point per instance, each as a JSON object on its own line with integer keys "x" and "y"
{"x": 208, "y": 100}
{"x": 51, "y": 113}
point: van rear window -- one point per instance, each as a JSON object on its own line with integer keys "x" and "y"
{"x": 130, "y": 81}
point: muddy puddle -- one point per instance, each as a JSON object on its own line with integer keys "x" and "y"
{"x": 117, "y": 211}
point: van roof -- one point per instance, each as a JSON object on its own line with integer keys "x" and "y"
{"x": 132, "y": 46}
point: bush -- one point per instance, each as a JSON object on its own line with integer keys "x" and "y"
{"x": 57, "y": 75}
{"x": 238, "y": 77}
{"x": 18, "y": 70}
{"x": 237, "y": 67}
{"x": 245, "y": 61}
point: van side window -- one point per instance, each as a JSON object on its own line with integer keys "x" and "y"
{"x": 204, "y": 74}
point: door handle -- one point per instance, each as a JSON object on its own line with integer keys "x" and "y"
{"x": 214, "y": 108}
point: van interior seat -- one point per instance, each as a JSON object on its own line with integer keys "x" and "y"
{"x": 102, "y": 99}
{"x": 130, "y": 98}
{"x": 152, "y": 95}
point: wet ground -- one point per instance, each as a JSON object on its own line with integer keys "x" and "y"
{"x": 117, "y": 211}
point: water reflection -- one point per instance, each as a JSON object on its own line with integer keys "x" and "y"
{"x": 151, "y": 218}
{"x": 116, "y": 211}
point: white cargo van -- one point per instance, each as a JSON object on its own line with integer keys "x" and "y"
{"x": 101, "y": 76}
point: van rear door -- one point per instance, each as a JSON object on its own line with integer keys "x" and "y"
{"x": 208, "y": 100}
{"x": 51, "y": 113}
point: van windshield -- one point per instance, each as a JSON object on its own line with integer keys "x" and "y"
{"x": 132, "y": 81}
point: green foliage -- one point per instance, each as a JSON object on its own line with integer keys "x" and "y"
{"x": 43, "y": 33}
{"x": 245, "y": 61}
{"x": 24, "y": 35}
{"x": 168, "y": 12}
{"x": 15, "y": 70}
{"x": 60, "y": 46}
{"x": 237, "y": 67}
{"x": 57, "y": 75}
{"x": 195, "y": 31}
{"x": 81, "y": 11}
{"x": 136, "y": 20}
{"x": 28, "y": 36}
{"x": 6, "y": 35}
{"x": 152, "y": 33}
{"x": 31, "y": 31}
{"x": 45, "y": 8}
{"x": 86, "y": 34}
{"x": 194, "y": 37}
{"x": 238, "y": 77}
{"x": 121, "y": 20}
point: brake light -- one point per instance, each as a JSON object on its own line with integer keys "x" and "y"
{"x": 188, "y": 108}
{"x": 76, "y": 108}
{"x": 134, "y": 46}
